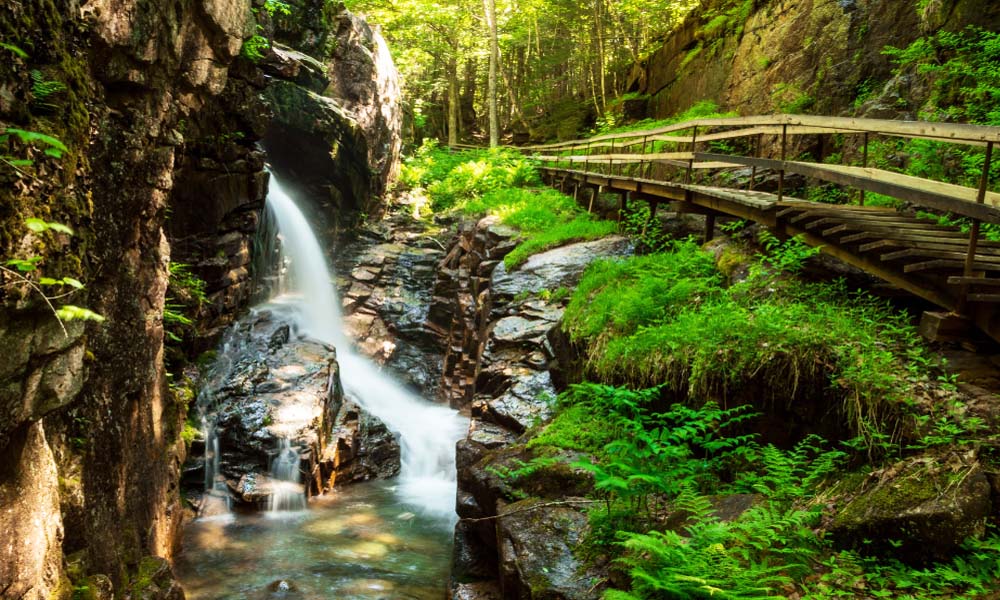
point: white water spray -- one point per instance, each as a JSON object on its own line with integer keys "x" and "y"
{"x": 286, "y": 489}
{"x": 427, "y": 432}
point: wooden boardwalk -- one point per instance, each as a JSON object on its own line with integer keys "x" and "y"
{"x": 954, "y": 269}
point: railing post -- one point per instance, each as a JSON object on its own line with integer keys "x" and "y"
{"x": 649, "y": 166}
{"x": 586, "y": 161}
{"x": 984, "y": 182}
{"x": 781, "y": 173}
{"x": 611, "y": 162}
{"x": 864, "y": 164}
{"x": 694, "y": 143}
{"x": 756, "y": 154}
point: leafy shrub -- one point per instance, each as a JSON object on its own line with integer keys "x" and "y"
{"x": 965, "y": 67}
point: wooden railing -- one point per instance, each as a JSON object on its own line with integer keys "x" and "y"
{"x": 610, "y": 152}
{"x": 632, "y": 164}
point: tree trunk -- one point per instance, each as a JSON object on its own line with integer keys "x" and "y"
{"x": 454, "y": 108}
{"x": 491, "y": 100}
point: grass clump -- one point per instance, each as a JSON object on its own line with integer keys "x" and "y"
{"x": 505, "y": 184}
{"x": 452, "y": 178}
{"x": 668, "y": 318}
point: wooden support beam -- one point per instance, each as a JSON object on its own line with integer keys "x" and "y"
{"x": 975, "y": 281}
{"x": 938, "y": 326}
{"x": 709, "y": 227}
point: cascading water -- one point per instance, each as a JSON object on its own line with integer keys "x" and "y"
{"x": 216, "y": 501}
{"x": 380, "y": 539}
{"x": 286, "y": 491}
{"x": 427, "y": 432}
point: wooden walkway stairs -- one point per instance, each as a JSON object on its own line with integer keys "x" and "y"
{"x": 951, "y": 267}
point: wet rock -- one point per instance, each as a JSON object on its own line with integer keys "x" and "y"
{"x": 483, "y": 590}
{"x": 289, "y": 64}
{"x": 561, "y": 267}
{"x": 155, "y": 581}
{"x": 536, "y": 544}
{"x": 363, "y": 448}
{"x": 527, "y": 402}
{"x": 919, "y": 510}
{"x": 273, "y": 385}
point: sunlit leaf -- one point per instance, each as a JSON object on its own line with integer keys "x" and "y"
{"x": 71, "y": 313}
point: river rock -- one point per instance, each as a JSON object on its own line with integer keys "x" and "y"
{"x": 920, "y": 509}
{"x": 561, "y": 267}
{"x": 536, "y": 551}
{"x": 272, "y": 384}
{"x": 483, "y": 590}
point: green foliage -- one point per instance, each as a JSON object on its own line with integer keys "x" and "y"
{"x": 14, "y": 49}
{"x": 666, "y": 318}
{"x": 273, "y": 7}
{"x": 44, "y": 91}
{"x": 703, "y": 109}
{"x": 69, "y": 312}
{"x": 502, "y": 183}
{"x": 973, "y": 572}
{"x": 49, "y": 145}
{"x": 186, "y": 295}
{"x": 255, "y": 48}
{"x": 789, "y": 255}
{"x": 788, "y": 98}
{"x": 24, "y": 272}
{"x": 965, "y": 67}
{"x": 582, "y": 228}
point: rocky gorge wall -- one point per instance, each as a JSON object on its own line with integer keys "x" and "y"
{"x": 160, "y": 118}
{"x": 820, "y": 56}
{"x": 505, "y": 360}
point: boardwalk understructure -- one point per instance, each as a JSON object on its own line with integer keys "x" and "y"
{"x": 950, "y": 266}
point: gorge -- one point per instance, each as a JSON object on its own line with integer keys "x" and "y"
{"x": 264, "y": 335}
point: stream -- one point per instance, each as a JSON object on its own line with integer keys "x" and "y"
{"x": 380, "y": 539}
{"x": 360, "y": 542}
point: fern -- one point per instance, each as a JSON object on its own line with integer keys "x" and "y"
{"x": 44, "y": 91}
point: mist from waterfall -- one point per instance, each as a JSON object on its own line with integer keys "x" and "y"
{"x": 427, "y": 432}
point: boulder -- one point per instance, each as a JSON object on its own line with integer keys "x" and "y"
{"x": 561, "y": 267}
{"x": 536, "y": 552}
{"x": 920, "y": 509}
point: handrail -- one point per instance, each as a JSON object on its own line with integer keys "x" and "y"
{"x": 958, "y": 133}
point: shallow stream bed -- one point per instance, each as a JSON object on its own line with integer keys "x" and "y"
{"x": 359, "y": 542}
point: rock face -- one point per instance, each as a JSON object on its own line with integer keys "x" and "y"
{"x": 30, "y": 517}
{"x": 160, "y": 118}
{"x": 388, "y": 272}
{"x": 335, "y": 135}
{"x": 816, "y": 55}
{"x": 129, "y": 75}
{"x": 499, "y": 363}
{"x": 272, "y": 385}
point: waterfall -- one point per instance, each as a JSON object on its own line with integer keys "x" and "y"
{"x": 286, "y": 489}
{"x": 427, "y": 432}
{"x": 217, "y": 500}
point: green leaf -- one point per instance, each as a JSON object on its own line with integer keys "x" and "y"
{"x": 36, "y": 225}
{"x": 30, "y": 137}
{"x": 71, "y": 313}
{"x": 74, "y": 283}
{"x": 39, "y": 225}
{"x": 14, "y": 49}
{"x": 24, "y": 265}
